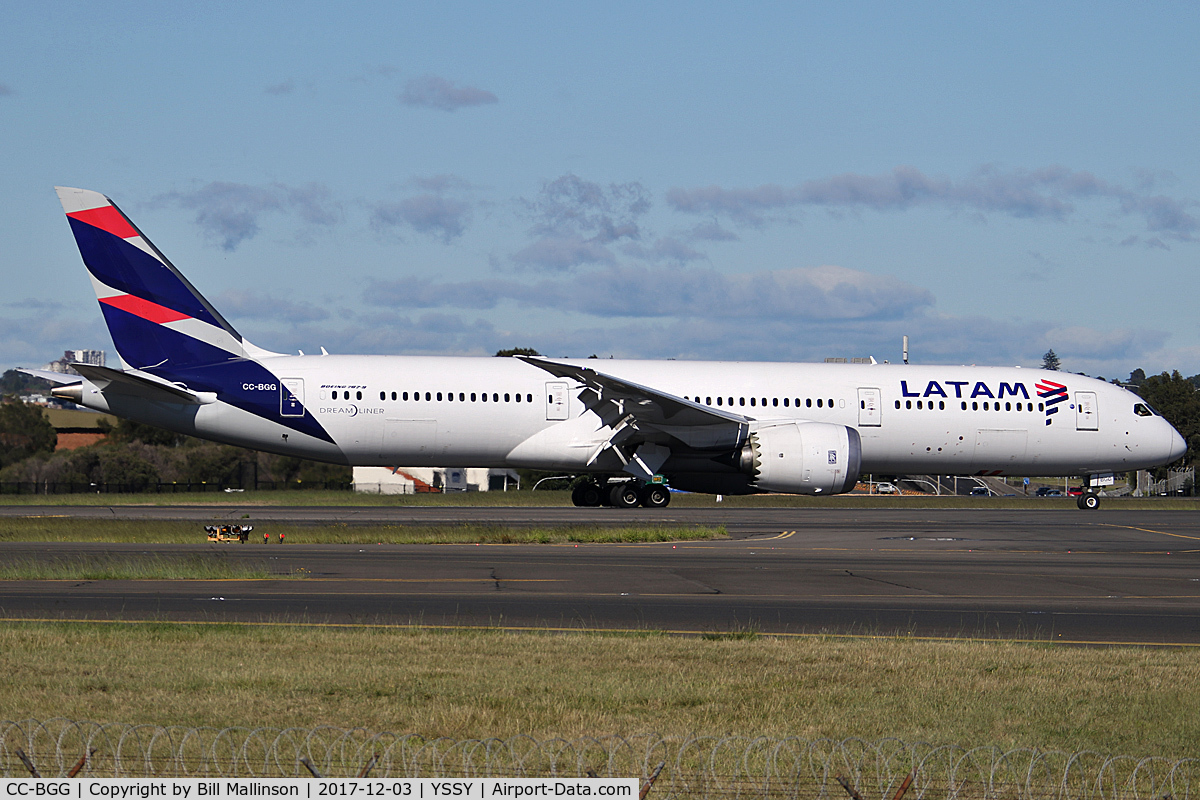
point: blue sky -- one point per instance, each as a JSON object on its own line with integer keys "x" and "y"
{"x": 726, "y": 181}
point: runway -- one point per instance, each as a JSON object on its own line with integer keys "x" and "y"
{"x": 1104, "y": 577}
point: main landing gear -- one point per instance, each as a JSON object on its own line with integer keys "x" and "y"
{"x": 624, "y": 494}
{"x": 1088, "y": 501}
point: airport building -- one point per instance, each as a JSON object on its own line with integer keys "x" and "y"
{"x": 415, "y": 480}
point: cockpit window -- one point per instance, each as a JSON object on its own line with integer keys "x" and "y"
{"x": 1142, "y": 410}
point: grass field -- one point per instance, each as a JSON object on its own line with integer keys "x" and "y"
{"x": 112, "y": 568}
{"x": 481, "y": 684}
{"x": 63, "y": 529}
{"x": 563, "y": 498}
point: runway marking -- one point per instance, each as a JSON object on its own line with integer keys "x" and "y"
{"x": 630, "y": 631}
{"x": 1148, "y": 530}
{"x": 784, "y": 535}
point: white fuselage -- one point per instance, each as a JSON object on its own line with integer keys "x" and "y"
{"x": 411, "y": 410}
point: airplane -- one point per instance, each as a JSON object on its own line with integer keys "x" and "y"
{"x": 637, "y": 427}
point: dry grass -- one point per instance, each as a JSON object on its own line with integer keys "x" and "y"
{"x": 197, "y": 567}
{"x": 56, "y": 529}
{"x": 479, "y": 684}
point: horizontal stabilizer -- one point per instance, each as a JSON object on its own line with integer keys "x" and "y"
{"x": 53, "y": 377}
{"x": 143, "y": 386}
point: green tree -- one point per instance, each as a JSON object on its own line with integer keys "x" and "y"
{"x": 1051, "y": 361}
{"x": 24, "y": 430}
{"x": 1176, "y": 398}
{"x": 15, "y": 383}
{"x": 518, "y": 351}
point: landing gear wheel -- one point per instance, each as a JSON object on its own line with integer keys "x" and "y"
{"x": 586, "y": 495}
{"x": 1089, "y": 501}
{"x": 655, "y": 495}
{"x": 624, "y": 495}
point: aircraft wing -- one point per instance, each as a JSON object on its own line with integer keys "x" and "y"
{"x": 647, "y": 424}
{"x": 650, "y": 405}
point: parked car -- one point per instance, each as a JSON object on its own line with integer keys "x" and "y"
{"x": 980, "y": 491}
{"x": 886, "y": 488}
{"x": 1075, "y": 491}
{"x": 1049, "y": 492}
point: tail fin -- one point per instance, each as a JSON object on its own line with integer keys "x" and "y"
{"x": 158, "y": 321}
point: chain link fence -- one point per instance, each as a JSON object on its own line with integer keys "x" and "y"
{"x": 693, "y": 767}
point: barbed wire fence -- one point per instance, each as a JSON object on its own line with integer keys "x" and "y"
{"x": 691, "y": 767}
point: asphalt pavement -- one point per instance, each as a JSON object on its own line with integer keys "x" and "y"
{"x": 1102, "y": 577}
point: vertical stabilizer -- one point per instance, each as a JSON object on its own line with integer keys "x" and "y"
{"x": 158, "y": 321}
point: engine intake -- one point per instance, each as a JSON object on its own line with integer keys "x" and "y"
{"x": 803, "y": 458}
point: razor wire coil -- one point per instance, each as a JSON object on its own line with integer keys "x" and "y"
{"x": 695, "y": 766}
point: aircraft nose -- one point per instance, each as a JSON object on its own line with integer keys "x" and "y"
{"x": 1176, "y": 446}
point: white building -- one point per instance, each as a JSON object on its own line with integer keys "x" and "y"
{"x": 412, "y": 480}
{"x": 93, "y": 357}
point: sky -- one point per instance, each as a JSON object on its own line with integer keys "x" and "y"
{"x": 757, "y": 181}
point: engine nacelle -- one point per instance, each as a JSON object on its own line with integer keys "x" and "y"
{"x": 803, "y": 458}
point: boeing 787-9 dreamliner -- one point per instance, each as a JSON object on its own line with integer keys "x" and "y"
{"x": 636, "y": 427}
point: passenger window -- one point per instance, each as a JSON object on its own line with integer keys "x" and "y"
{"x": 450, "y": 396}
{"x": 964, "y": 405}
{"x": 941, "y": 405}
{"x": 1142, "y": 410}
{"x": 472, "y": 397}
{"x": 439, "y": 396}
{"x": 741, "y": 401}
{"x": 1008, "y": 406}
{"x": 506, "y": 397}
{"x": 718, "y": 401}
{"x": 708, "y": 401}
{"x": 819, "y": 402}
{"x": 785, "y": 402}
{"x": 1041, "y": 406}
{"x": 751, "y": 401}
{"x": 774, "y": 402}
{"x": 918, "y": 404}
{"x": 897, "y": 404}
{"x": 907, "y": 403}
{"x": 405, "y": 395}
{"x": 518, "y": 398}
{"x": 358, "y": 395}
{"x": 808, "y": 402}
{"x": 429, "y": 397}
{"x": 383, "y": 395}
{"x": 974, "y": 406}
{"x": 528, "y": 398}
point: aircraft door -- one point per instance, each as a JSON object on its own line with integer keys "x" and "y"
{"x": 1087, "y": 417}
{"x": 557, "y": 400}
{"x": 291, "y": 397}
{"x": 868, "y": 408}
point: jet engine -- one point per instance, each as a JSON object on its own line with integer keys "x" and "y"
{"x": 803, "y": 458}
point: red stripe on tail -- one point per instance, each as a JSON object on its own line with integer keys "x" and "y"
{"x": 106, "y": 218}
{"x": 144, "y": 308}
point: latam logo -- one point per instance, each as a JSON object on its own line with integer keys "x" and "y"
{"x": 959, "y": 390}
{"x": 1053, "y": 393}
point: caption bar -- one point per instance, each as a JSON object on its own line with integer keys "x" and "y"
{"x": 420, "y": 788}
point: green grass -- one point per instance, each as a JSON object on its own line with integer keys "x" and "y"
{"x": 249, "y": 499}
{"x": 63, "y": 529}
{"x": 114, "y": 568}
{"x": 483, "y": 683}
